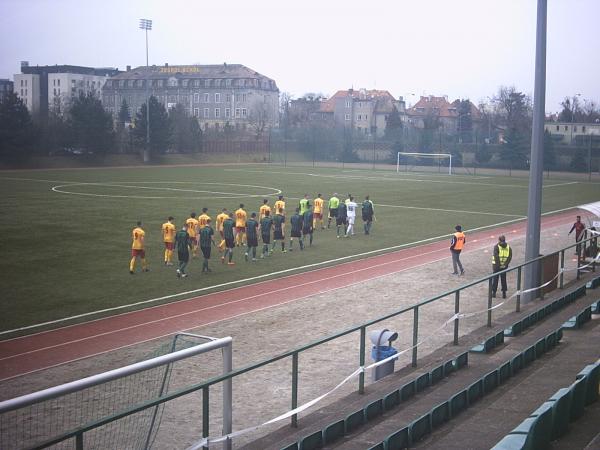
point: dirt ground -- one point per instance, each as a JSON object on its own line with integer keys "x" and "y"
{"x": 266, "y": 392}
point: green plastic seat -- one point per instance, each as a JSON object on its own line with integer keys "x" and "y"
{"x": 591, "y": 375}
{"x": 436, "y": 374}
{"x": 462, "y": 360}
{"x": 512, "y": 442}
{"x": 354, "y": 421}
{"x": 516, "y": 363}
{"x": 420, "y": 428}
{"x": 391, "y": 400}
{"x": 423, "y": 382}
{"x": 504, "y": 372}
{"x": 578, "y": 390}
{"x": 293, "y": 446}
{"x": 542, "y": 431}
{"x": 459, "y": 402}
{"x": 561, "y": 412}
{"x": 540, "y": 347}
{"x": 380, "y": 446}
{"x": 475, "y": 391}
{"x": 408, "y": 390}
{"x": 373, "y": 409}
{"x": 333, "y": 432}
{"x": 312, "y": 441}
{"x": 398, "y": 440}
{"x": 440, "y": 414}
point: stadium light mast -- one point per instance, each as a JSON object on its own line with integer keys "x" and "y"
{"x": 146, "y": 25}
{"x": 534, "y": 209}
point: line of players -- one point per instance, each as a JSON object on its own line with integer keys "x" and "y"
{"x": 237, "y": 229}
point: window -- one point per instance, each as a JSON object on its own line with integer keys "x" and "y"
{"x": 227, "y": 113}
{"x": 206, "y": 83}
{"x": 206, "y": 113}
{"x": 217, "y": 113}
{"x": 196, "y": 112}
{"x": 566, "y": 127}
{"x": 197, "y": 83}
{"x": 217, "y": 98}
{"x": 217, "y": 83}
{"x": 58, "y": 82}
{"x": 196, "y": 98}
{"x": 129, "y": 83}
{"x": 25, "y": 83}
{"x": 237, "y": 112}
{"x": 557, "y": 127}
{"x": 206, "y": 97}
{"x": 348, "y": 104}
{"x": 347, "y": 116}
{"x": 583, "y": 129}
{"x": 228, "y": 98}
{"x": 365, "y": 117}
{"x": 244, "y": 113}
{"x": 54, "y": 91}
{"x": 358, "y": 117}
{"x": 228, "y": 82}
{"x": 25, "y": 92}
{"x": 244, "y": 98}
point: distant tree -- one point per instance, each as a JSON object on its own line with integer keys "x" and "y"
{"x": 258, "y": 120}
{"x": 90, "y": 124}
{"x": 124, "y": 115}
{"x": 549, "y": 152}
{"x": 578, "y": 162}
{"x": 514, "y": 111}
{"x": 17, "y": 132}
{"x": 186, "y": 134}
{"x": 393, "y": 125}
{"x": 464, "y": 123}
{"x": 160, "y": 127}
{"x": 123, "y": 131}
{"x": 431, "y": 126}
{"x": 574, "y": 111}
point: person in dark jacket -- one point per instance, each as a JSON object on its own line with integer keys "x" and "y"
{"x": 502, "y": 255}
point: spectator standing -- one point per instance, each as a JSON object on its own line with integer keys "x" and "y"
{"x": 456, "y": 245}
{"x": 579, "y": 228}
{"x": 501, "y": 257}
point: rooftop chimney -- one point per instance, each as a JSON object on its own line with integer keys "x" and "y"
{"x": 166, "y": 64}
{"x": 128, "y": 68}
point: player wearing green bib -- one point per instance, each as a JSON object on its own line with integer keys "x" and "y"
{"x": 304, "y": 204}
{"x": 333, "y": 205}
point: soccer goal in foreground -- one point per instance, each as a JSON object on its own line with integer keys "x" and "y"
{"x": 410, "y": 160}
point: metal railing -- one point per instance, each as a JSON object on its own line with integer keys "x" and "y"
{"x": 78, "y": 434}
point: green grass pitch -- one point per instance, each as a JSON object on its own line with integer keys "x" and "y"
{"x": 65, "y": 253}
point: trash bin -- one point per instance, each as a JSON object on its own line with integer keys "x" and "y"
{"x": 380, "y": 352}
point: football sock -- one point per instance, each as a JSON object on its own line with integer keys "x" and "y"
{"x": 144, "y": 264}
{"x": 132, "y": 264}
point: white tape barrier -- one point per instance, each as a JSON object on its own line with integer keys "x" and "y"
{"x": 209, "y": 440}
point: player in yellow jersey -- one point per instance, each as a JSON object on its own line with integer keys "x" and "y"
{"x": 280, "y": 206}
{"x": 240, "y": 225}
{"x": 137, "y": 248}
{"x": 262, "y": 212}
{"x": 224, "y": 215}
{"x": 203, "y": 219}
{"x": 168, "y": 232}
{"x": 192, "y": 229}
{"x": 318, "y": 212}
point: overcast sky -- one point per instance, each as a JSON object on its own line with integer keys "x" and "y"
{"x": 459, "y": 48}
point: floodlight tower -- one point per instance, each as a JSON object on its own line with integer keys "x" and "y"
{"x": 146, "y": 25}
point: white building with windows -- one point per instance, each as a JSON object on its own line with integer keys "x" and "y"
{"x": 218, "y": 95}
{"x": 569, "y": 133}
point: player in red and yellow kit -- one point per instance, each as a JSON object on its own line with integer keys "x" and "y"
{"x": 262, "y": 212}
{"x": 168, "y": 232}
{"x": 280, "y": 206}
{"x": 224, "y": 215}
{"x": 240, "y": 225}
{"x": 192, "y": 229}
{"x": 203, "y": 219}
{"x": 137, "y": 248}
{"x": 318, "y": 212}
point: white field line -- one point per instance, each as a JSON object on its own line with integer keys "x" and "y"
{"x": 304, "y": 268}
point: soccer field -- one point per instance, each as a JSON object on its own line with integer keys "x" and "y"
{"x": 66, "y": 233}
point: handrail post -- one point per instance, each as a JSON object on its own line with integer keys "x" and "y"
{"x": 578, "y": 259}
{"x": 227, "y": 394}
{"x": 295, "y": 388}
{"x": 562, "y": 268}
{"x": 79, "y": 441}
{"x": 205, "y": 413}
{"x": 489, "y": 303}
{"x": 361, "y": 360}
{"x": 456, "y": 310}
{"x": 415, "y": 335}
{"x": 519, "y": 272}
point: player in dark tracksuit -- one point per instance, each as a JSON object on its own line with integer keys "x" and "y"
{"x": 251, "y": 236}
{"x": 296, "y": 232}
{"x": 278, "y": 231}
{"x": 341, "y": 219}
{"x": 265, "y": 232}
{"x": 307, "y": 225}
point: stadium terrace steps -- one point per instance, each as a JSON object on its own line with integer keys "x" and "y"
{"x": 487, "y": 377}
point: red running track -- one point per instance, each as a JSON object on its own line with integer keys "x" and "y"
{"x": 47, "y": 349}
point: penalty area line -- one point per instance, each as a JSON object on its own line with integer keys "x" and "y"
{"x": 265, "y": 276}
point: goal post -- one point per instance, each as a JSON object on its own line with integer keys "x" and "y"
{"x": 407, "y": 157}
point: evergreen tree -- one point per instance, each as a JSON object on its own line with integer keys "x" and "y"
{"x": 393, "y": 125}
{"x": 464, "y": 122}
{"x": 124, "y": 116}
{"x": 90, "y": 125}
{"x": 549, "y": 152}
{"x": 186, "y": 133}
{"x": 160, "y": 128}
{"x": 17, "y": 132}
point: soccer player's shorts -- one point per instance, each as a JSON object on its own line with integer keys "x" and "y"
{"x": 340, "y": 221}
{"x": 333, "y": 212}
{"x": 351, "y": 220}
{"x": 205, "y": 252}
{"x": 169, "y": 245}
{"x": 367, "y": 217}
{"x": 183, "y": 256}
{"x": 278, "y": 235}
{"x": 307, "y": 231}
{"x": 318, "y": 216}
{"x": 239, "y": 230}
{"x": 266, "y": 238}
{"x": 296, "y": 234}
{"x": 229, "y": 243}
{"x": 252, "y": 241}
{"x": 136, "y": 252}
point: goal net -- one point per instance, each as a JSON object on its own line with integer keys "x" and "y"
{"x": 407, "y": 161}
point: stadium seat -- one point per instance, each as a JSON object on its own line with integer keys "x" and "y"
{"x": 512, "y": 442}
{"x": 462, "y": 360}
{"x": 293, "y": 446}
{"x": 486, "y": 346}
{"x": 440, "y": 414}
{"x": 333, "y": 432}
{"x": 353, "y": 421}
{"x": 475, "y": 391}
{"x": 596, "y": 307}
{"x": 312, "y": 441}
{"x": 423, "y": 382}
{"x": 449, "y": 367}
{"x": 540, "y": 347}
{"x": 391, "y": 400}
{"x": 528, "y": 355}
{"x": 526, "y": 428}
{"x": 373, "y": 409}
{"x": 578, "y": 391}
{"x": 516, "y": 363}
{"x": 551, "y": 341}
{"x": 437, "y": 374}
{"x": 408, "y": 390}
{"x": 499, "y": 339}
{"x": 543, "y": 427}
{"x": 560, "y": 412}
{"x": 514, "y": 330}
{"x": 490, "y": 381}
{"x": 420, "y": 428}
{"x": 533, "y": 318}
{"x": 380, "y": 446}
{"x": 398, "y": 440}
{"x": 504, "y": 372}
{"x": 591, "y": 375}
{"x": 459, "y": 402}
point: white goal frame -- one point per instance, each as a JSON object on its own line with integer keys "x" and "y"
{"x": 425, "y": 155}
